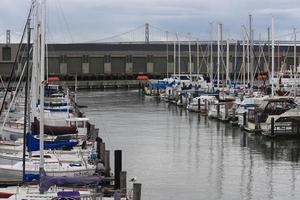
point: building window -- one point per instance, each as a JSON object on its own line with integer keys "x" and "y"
{"x": 6, "y": 53}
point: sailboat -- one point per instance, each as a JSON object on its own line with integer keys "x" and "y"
{"x": 37, "y": 168}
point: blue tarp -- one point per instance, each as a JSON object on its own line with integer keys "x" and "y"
{"x": 33, "y": 144}
{"x": 31, "y": 177}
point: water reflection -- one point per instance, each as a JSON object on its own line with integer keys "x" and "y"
{"x": 182, "y": 155}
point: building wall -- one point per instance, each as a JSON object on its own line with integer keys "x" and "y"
{"x": 53, "y": 66}
{"x": 137, "y": 56}
{"x": 74, "y": 65}
{"x": 160, "y": 65}
{"x": 139, "y": 64}
{"x": 96, "y": 65}
{"x": 118, "y": 65}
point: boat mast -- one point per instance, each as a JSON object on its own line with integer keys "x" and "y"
{"x": 167, "y": 46}
{"x": 244, "y": 63}
{"x": 198, "y": 59}
{"x": 34, "y": 72}
{"x": 26, "y": 96}
{"x": 190, "y": 58}
{"x": 272, "y": 72}
{"x": 211, "y": 56}
{"x": 42, "y": 82}
{"x": 218, "y": 56}
{"x": 174, "y": 60}
{"x": 179, "y": 60}
{"x": 295, "y": 62}
{"x": 251, "y": 52}
{"x": 227, "y": 62}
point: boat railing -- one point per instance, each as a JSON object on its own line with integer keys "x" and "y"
{"x": 14, "y": 125}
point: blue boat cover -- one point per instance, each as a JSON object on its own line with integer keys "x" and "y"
{"x": 33, "y": 144}
{"x": 47, "y": 181}
{"x": 31, "y": 177}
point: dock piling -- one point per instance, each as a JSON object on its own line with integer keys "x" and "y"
{"x": 199, "y": 104}
{"x": 123, "y": 183}
{"x": 272, "y": 126}
{"x": 218, "y": 110}
{"x": 107, "y": 163}
{"x": 206, "y": 105}
{"x": 137, "y": 188}
{"x": 102, "y": 151}
{"x": 244, "y": 119}
{"x": 118, "y": 168}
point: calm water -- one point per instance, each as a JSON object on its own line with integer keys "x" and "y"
{"x": 181, "y": 155}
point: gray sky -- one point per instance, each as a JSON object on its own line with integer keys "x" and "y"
{"x": 98, "y": 20}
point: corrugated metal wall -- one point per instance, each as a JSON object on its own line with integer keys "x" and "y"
{"x": 74, "y": 65}
{"x": 118, "y": 65}
{"x": 160, "y": 65}
{"x": 53, "y": 66}
{"x": 96, "y": 65}
{"x": 139, "y": 64}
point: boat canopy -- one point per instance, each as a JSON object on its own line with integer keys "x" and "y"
{"x": 34, "y": 145}
{"x": 52, "y": 130}
{"x": 47, "y": 181}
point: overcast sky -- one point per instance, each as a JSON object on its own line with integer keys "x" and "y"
{"x": 99, "y": 20}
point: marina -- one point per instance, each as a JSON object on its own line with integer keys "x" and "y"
{"x": 199, "y": 101}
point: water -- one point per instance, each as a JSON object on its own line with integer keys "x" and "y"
{"x": 180, "y": 155}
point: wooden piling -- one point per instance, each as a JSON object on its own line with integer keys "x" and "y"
{"x": 199, "y": 104}
{"x": 272, "y": 126}
{"x": 98, "y": 143}
{"x": 102, "y": 151}
{"x": 137, "y": 191}
{"x": 226, "y": 111}
{"x": 123, "y": 183}
{"x": 118, "y": 168}
{"x": 244, "y": 119}
{"x": 233, "y": 114}
{"x": 218, "y": 110}
{"x": 107, "y": 163}
{"x": 206, "y": 105}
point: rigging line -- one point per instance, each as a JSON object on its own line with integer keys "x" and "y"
{"x": 65, "y": 20}
{"x": 58, "y": 20}
{"x": 115, "y": 36}
{"x": 16, "y": 58}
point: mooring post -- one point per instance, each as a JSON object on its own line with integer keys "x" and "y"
{"x": 199, "y": 104}
{"x": 137, "y": 191}
{"x": 123, "y": 183}
{"x": 272, "y": 126}
{"x": 218, "y": 110}
{"x": 107, "y": 163}
{"x": 98, "y": 143}
{"x": 244, "y": 119}
{"x": 233, "y": 114}
{"x": 226, "y": 111}
{"x": 102, "y": 152}
{"x": 118, "y": 168}
{"x": 256, "y": 122}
